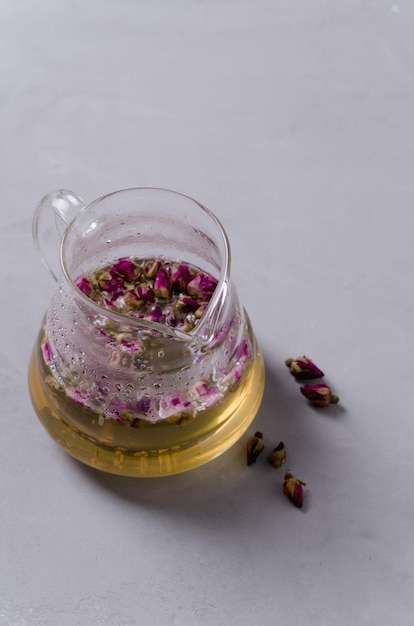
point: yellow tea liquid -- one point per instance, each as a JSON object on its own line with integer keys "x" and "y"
{"x": 150, "y": 449}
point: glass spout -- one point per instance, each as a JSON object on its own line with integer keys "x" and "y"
{"x": 211, "y": 324}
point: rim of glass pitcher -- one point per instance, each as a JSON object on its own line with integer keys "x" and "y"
{"x": 215, "y": 300}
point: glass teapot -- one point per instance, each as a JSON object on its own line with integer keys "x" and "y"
{"x": 146, "y": 363}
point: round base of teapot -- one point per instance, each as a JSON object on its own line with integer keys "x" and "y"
{"x": 148, "y": 450}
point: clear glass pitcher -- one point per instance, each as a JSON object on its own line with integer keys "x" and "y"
{"x": 146, "y": 363}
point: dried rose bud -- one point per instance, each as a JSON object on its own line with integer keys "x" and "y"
{"x": 182, "y": 276}
{"x": 155, "y": 315}
{"x": 188, "y": 323}
{"x": 292, "y": 488}
{"x": 208, "y": 396}
{"x": 143, "y": 404}
{"x": 278, "y": 455}
{"x": 202, "y": 286}
{"x": 114, "y": 285}
{"x": 131, "y": 300}
{"x": 170, "y": 315}
{"x": 173, "y": 406}
{"x": 191, "y": 304}
{"x": 303, "y": 368}
{"x": 319, "y": 395}
{"x": 109, "y": 304}
{"x": 151, "y": 268}
{"x": 117, "y": 407}
{"x": 84, "y": 284}
{"x": 244, "y": 350}
{"x": 47, "y": 352}
{"x": 233, "y": 376}
{"x": 255, "y": 446}
{"x": 162, "y": 286}
{"x": 126, "y": 268}
{"x": 198, "y": 313}
{"x": 146, "y": 294}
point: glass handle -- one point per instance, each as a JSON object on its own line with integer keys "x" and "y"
{"x": 52, "y": 216}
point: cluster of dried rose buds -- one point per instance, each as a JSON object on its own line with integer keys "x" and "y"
{"x": 303, "y": 368}
{"x": 255, "y": 445}
{"x": 156, "y": 290}
{"x": 292, "y": 487}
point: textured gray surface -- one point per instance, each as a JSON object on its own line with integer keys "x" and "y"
{"x": 293, "y": 122}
